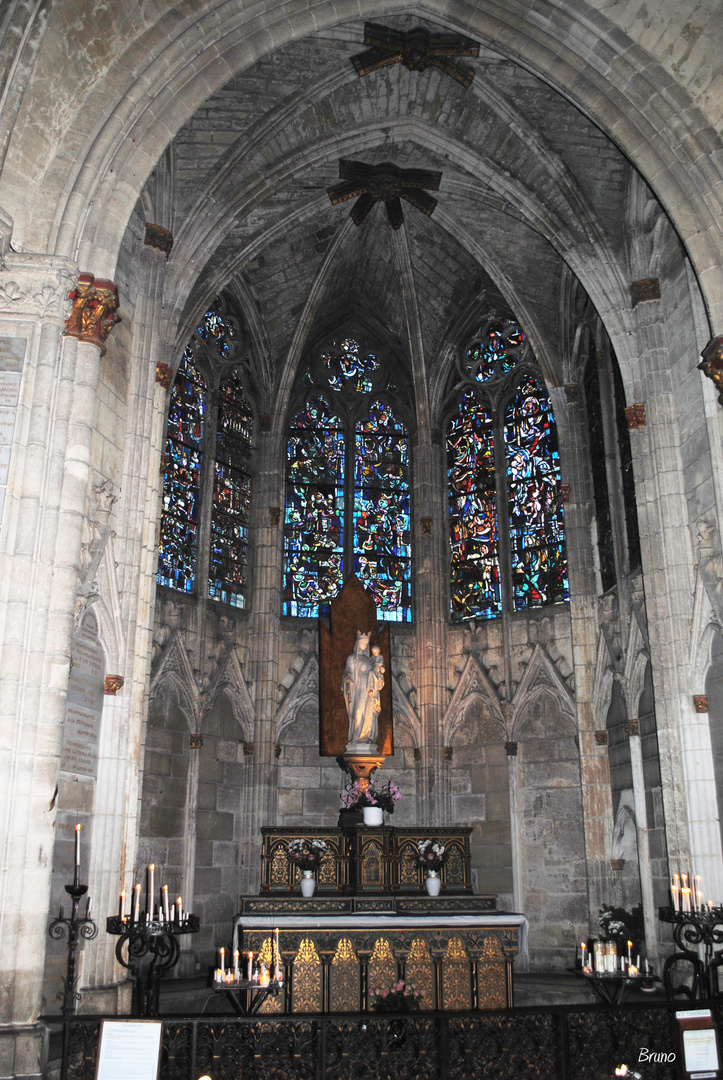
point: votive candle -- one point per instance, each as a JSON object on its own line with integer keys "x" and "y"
{"x": 137, "y": 904}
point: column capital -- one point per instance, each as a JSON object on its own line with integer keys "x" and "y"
{"x": 94, "y": 311}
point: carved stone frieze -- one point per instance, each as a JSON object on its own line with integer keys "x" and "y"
{"x": 35, "y": 286}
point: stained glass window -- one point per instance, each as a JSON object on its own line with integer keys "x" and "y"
{"x": 505, "y": 514}
{"x": 217, "y": 328}
{"x": 231, "y": 490}
{"x": 537, "y": 548}
{"x": 382, "y": 549}
{"x": 179, "y": 523}
{"x": 347, "y": 502}
{"x": 473, "y": 511}
{"x": 313, "y": 524}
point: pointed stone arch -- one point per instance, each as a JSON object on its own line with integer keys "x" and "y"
{"x": 231, "y": 682}
{"x": 541, "y": 676}
{"x": 473, "y": 684}
{"x": 304, "y": 691}
{"x": 174, "y": 669}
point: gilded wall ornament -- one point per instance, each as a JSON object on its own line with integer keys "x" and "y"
{"x": 94, "y": 311}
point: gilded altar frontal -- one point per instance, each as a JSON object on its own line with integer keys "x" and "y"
{"x": 361, "y": 558}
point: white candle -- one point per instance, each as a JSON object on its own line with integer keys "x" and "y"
{"x": 235, "y": 966}
{"x": 137, "y": 904}
{"x": 251, "y": 966}
{"x": 630, "y": 950}
{"x": 173, "y": 912}
{"x": 166, "y": 911}
{"x": 676, "y": 894}
{"x": 179, "y": 901}
{"x": 637, "y": 961}
{"x": 278, "y": 961}
{"x": 77, "y": 845}
{"x": 222, "y": 953}
{"x": 151, "y": 889}
{"x": 647, "y": 968}
{"x": 123, "y": 905}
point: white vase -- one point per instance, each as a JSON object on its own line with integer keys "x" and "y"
{"x": 373, "y": 815}
{"x": 433, "y": 882}
{"x": 307, "y": 883}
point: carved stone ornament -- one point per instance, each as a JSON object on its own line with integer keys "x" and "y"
{"x": 635, "y": 416}
{"x": 112, "y": 684}
{"x": 417, "y": 754}
{"x": 426, "y": 523}
{"x": 417, "y": 49}
{"x": 277, "y": 750}
{"x": 159, "y": 238}
{"x": 601, "y": 738}
{"x": 632, "y": 727}
{"x": 248, "y": 749}
{"x": 274, "y": 515}
{"x": 164, "y": 375}
{"x": 617, "y": 864}
{"x": 700, "y": 703}
{"x": 712, "y": 364}
{"x": 195, "y": 740}
{"x": 565, "y": 492}
{"x": 511, "y": 749}
{"x": 645, "y": 289}
{"x": 94, "y": 311}
{"x": 572, "y": 393}
{"x": 448, "y": 753}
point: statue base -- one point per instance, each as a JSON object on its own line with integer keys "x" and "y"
{"x": 361, "y": 766}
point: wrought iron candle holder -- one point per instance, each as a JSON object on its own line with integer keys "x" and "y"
{"x": 158, "y": 939}
{"x": 75, "y": 928}
{"x": 691, "y": 931}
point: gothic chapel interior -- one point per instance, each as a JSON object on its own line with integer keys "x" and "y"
{"x": 426, "y": 293}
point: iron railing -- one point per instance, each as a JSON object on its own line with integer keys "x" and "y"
{"x": 570, "y": 1042}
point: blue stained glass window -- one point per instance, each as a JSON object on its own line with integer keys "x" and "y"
{"x": 179, "y": 523}
{"x": 496, "y": 351}
{"x": 313, "y": 523}
{"x": 382, "y": 552}
{"x": 348, "y": 367}
{"x": 231, "y": 491}
{"x": 475, "y": 569}
{"x": 217, "y": 329}
{"x": 539, "y": 567}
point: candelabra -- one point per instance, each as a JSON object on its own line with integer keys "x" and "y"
{"x": 75, "y": 928}
{"x": 698, "y": 928}
{"x": 157, "y": 938}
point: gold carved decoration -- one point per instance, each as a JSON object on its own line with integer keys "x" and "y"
{"x": 382, "y": 965}
{"x": 491, "y": 982}
{"x": 372, "y": 863}
{"x": 407, "y": 865}
{"x": 454, "y": 869}
{"x": 456, "y": 989}
{"x": 700, "y": 703}
{"x": 164, "y": 375}
{"x": 307, "y": 979}
{"x": 279, "y": 866}
{"x": 195, "y": 740}
{"x": 326, "y": 874}
{"x": 344, "y": 978}
{"x": 712, "y": 364}
{"x": 419, "y": 973}
{"x": 112, "y": 684}
{"x": 635, "y": 416}
{"x": 93, "y": 314}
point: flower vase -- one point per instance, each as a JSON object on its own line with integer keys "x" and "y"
{"x": 433, "y": 882}
{"x": 373, "y": 815}
{"x": 307, "y": 883}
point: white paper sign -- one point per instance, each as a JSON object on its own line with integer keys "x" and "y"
{"x": 700, "y": 1049}
{"x": 84, "y": 705}
{"x": 129, "y": 1050}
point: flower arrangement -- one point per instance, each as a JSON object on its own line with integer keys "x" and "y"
{"x": 306, "y": 854}
{"x": 398, "y": 998}
{"x": 354, "y": 797}
{"x": 620, "y": 925}
{"x": 431, "y": 855}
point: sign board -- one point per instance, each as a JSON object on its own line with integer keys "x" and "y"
{"x": 84, "y": 707}
{"x": 699, "y": 1047}
{"x": 129, "y": 1050}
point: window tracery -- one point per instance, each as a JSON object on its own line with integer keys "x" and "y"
{"x": 505, "y": 512}
{"x": 206, "y": 488}
{"x": 347, "y": 502}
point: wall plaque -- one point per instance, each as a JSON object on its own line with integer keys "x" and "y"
{"x": 85, "y": 701}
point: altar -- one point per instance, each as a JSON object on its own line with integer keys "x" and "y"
{"x": 371, "y": 924}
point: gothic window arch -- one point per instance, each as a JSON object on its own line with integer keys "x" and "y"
{"x": 347, "y": 484}
{"x": 207, "y": 480}
{"x": 506, "y": 524}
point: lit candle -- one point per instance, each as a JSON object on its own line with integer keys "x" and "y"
{"x": 166, "y": 911}
{"x": 123, "y": 905}
{"x": 180, "y": 908}
{"x": 630, "y": 948}
{"x": 222, "y": 953}
{"x": 77, "y": 845}
{"x": 151, "y": 890}
{"x": 584, "y": 947}
{"x": 251, "y": 966}
{"x": 137, "y": 904}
